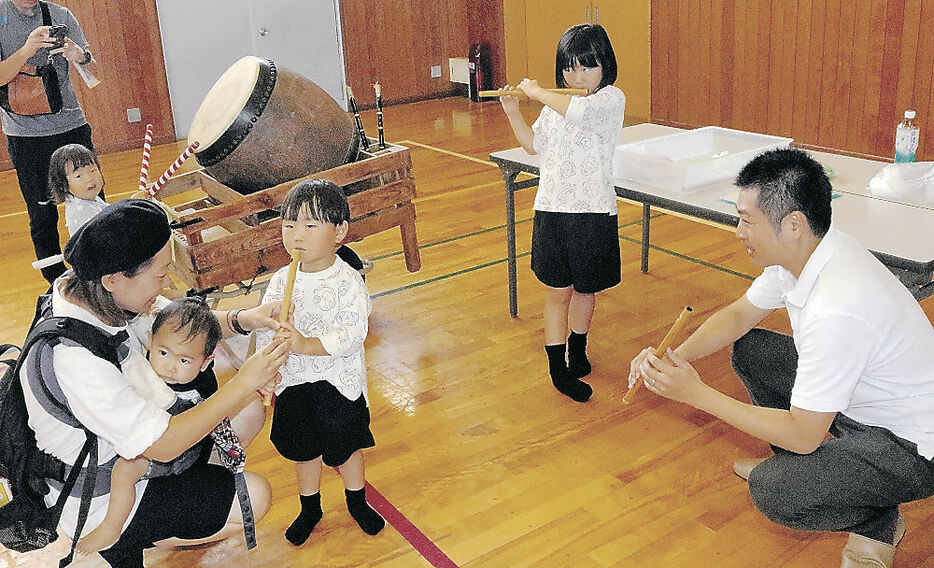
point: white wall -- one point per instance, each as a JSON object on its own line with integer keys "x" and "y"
{"x": 201, "y": 39}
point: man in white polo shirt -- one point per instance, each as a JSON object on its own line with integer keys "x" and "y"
{"x": 860, "y": 366}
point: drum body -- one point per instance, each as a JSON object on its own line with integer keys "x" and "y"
{"x": 261, "y": 125}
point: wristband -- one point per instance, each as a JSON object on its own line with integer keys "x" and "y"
{"x": 235, "y": 322}
{"x": 87, "y": 57}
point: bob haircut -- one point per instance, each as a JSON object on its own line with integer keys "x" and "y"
{"x": 324, "y": 200}
{"x": 77, "y": 156}
{"x": 588, "y": 45}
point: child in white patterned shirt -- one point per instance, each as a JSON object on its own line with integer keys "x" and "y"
{"x": 575, "y": 241}
{"x": 75, "y": 179}
{"x": 321, "y": 412}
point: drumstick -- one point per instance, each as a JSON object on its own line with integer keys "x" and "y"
{"x": 48, "y": 261}
{"x": 379, "y": 116}
{"x": 364, "y": 142}
{"x": 286, "y": 302}
{"x": 521, "y": 95}
{"x": 147, "y": 148}
{"x": 663, "y": 346}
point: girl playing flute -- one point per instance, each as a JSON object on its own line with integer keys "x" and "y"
{"x": 575, "y": 245}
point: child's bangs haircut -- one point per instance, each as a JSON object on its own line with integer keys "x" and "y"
{"x": 195, "y": 316}
{"x": 77, "y": 156}
{"x": 588, "y": 45}
{"x": 324, "y": 201}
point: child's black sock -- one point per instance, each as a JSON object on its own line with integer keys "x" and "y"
{"x": 560, "y": 377}
{"x": 368, "y": 519}
{"x": 300, "y": 529}
{"x": 578, "y": 364}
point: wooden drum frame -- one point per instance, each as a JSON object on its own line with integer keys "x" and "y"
{"x": 231, "y": 238}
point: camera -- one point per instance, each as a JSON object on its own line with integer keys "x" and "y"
{"x": 57, "y": 35}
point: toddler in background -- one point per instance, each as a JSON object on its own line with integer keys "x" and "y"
{"x": 75, "y": 179}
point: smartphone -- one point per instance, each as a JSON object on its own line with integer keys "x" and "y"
{"x": 57, "y": 35}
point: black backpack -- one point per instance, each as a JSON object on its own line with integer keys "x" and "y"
{"x": 26, "y": 523}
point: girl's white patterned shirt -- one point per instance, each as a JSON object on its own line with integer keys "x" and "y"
{"x": 576, "y": 152}
{"x": 80, "y": 211}
{"x": 332, "y": 305}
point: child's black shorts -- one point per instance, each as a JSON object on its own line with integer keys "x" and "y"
{"x": 315, "y": 419}
{"x": 576, "y": 249}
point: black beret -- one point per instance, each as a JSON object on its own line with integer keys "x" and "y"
{"x": 118, "y": 239}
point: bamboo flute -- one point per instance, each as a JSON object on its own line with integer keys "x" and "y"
{"x": 663, "y": 346}
{"x": 379, "y": 116}
{"x": 364, "y": 142}
{"x": 286, "y": 302}
{"x": 521, "y": 95}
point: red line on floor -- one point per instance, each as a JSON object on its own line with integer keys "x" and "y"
{"x": 419, "y": 541}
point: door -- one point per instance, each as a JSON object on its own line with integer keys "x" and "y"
{"x": 200, "y": 40}
{"x": 627, "y": 24}
{"x": 195, "y": 53}
{"x": 304, "y": 37}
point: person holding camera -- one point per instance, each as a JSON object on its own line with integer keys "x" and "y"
{"x": 39, "y": 110}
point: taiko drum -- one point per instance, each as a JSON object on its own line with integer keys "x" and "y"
{"x": 261, "y": 125}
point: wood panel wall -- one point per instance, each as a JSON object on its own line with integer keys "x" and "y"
{"x": 128, "y": 47}
{"x": 517, "y": 51}
{"x": 395, "y": 43}
{"x": 533, "y": 28}
{"x": 834, "y": 74}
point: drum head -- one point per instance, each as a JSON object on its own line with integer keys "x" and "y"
{"x": 224, "y": 101}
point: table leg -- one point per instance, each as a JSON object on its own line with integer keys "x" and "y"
{"x": 509, "y": 176}
{"x": 646, "y": 216}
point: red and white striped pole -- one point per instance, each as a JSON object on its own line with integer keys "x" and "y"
{"x": 147, "y": 148}
{"x": 175, "y": 165}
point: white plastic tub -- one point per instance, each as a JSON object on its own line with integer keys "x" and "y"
{"x": 688, "y": 161}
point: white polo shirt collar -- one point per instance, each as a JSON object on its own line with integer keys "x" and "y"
{"x": 801, "y": 290}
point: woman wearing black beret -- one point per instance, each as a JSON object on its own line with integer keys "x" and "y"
{"x": 119, "y": 262}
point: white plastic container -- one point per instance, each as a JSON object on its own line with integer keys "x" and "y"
{"x": 688, "y": 161}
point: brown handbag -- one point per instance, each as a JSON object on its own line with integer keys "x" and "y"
{"x": 29, "y": 93}
{"x": 34, "y": 90}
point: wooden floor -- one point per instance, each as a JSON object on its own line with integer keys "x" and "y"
{"x": 474, "y": 446}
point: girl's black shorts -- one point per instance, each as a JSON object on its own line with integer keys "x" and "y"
{"x": 576, "y": 249}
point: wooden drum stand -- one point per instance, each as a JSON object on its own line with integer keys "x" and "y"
{"x": 223, "y": 237}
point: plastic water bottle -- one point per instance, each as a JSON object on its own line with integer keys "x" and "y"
{"x": 906, "y": 139}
